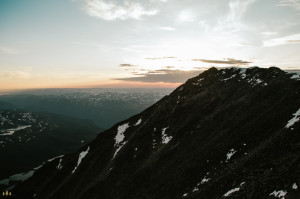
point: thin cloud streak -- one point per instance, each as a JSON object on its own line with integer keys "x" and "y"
{"x": 225, "y": 61}
{"x": 282, "y": 40}
{"x": 164, "y": 75}
{"x": 108, "y": 10}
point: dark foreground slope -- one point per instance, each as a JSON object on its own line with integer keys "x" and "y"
{"x": 226, "y": 133}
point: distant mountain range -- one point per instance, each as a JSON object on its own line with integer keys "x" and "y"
{"x": 230, "y": 133}
{"x": 103, "y": 106}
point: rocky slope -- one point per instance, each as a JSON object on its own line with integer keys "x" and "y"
{"x": 230, "y": 133}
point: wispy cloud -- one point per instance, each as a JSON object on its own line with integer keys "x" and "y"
{"x": 282, "y": 40}
{"x": 225, "y": 61}
{"x": 269, "y": 33}
{"x": 233, "y": 21}
{"x": 186, "y": 16}
{"x": 14, "y": 74}
{"x": 7, "y": 50}
{"x": 110, "y": 10}
{"x": 157, "y": 58}
{"x": 168, "y": 28}
{"x": 127, "y": 65}
{"x": 164, "y": 75}
{"x": 290, "y": 3}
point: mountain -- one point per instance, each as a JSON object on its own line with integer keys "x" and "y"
{"x": 29, "y": 138}
{"x": 230, "y": 133}
{"x": 103, "y": 106}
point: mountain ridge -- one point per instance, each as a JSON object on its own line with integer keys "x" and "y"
{"x": 224, "y": 133}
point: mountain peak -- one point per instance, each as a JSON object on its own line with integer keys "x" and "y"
{"x": 228, "y": 132}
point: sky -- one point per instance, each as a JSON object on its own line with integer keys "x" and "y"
{"x": 145, "y": 43}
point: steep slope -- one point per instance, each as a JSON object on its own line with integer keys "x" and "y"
{"x": 225, "y": 133}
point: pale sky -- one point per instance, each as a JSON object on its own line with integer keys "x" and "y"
{"x": 87, "y": 43}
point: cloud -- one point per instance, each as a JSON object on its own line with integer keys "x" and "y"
{"x": 233, "y": 21}
{"x": 186, "y": 16}
{"x": 168, "y": 28}
{"x": 7, "y": 50}
{"x": 127, "y": 65}
{"x": 290, "y": 3}
{"x": 293, "y": 41}
{"x": 109, "y": 10}
{"x": 269, "y": 33}
{"x": 225, "y": 61}
{"x": 14, "y": 74}
{"x": 282, "y": 40}
{"x": 164, "y": 75}
{"x": 157, "y": 58}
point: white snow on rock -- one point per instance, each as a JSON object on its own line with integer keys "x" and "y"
{"x": 296, "y": 76}
{"x": 230, "y": 154}
{"x": 258, "y": 81}
{"x": 59, "y": 166}
{"x": 165, "y": 138}
{"x": 279, "y": 194}
{"x": 295, "y": 119}
{"x": 81, "y": 156}
{"x": 120, "y": 138}
{"x": 119, "y": 148}
{"x": 295, "y": 186}
{"x": 195, "y": 189}
{"x": 12, "y": 131}
{"x": 185, "y": 195}
{"x": 234, "y": 190}
{"x": 50, "y": 160}
{"x": 204, "y": 180}
{"x": 138, "y": 122}
{"x": 120, "y": 135}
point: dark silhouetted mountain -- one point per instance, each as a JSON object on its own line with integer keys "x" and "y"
{"x": 226, "y": 133}
{"x": 28, "y": 138}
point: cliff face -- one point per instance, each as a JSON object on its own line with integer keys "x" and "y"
{"x": 225, "y": 133}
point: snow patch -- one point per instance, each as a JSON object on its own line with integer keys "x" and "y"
{"x": 295, "y": 119}
{"x": 59, "y": 166}
{"x": 120, "y": 135}
{"x": 204, "y": 180}
{"x": 50, "y": 160}
{"x": 279, "y": 194}
{"x": 119, "y": 148}
{"x": 185, "y": 195}
{"x": 195, "y": 189}
{"x": 12, "y": 131}
{"x": 230, "y": 154}
{"x": 165, "y": 138}
{"x": 138, "y": 122}
{"x": 234, "y": 190}
{"x": 295, "y": 186}
{"x": 296, "y": 76}
{"x": 81, "y": 156}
